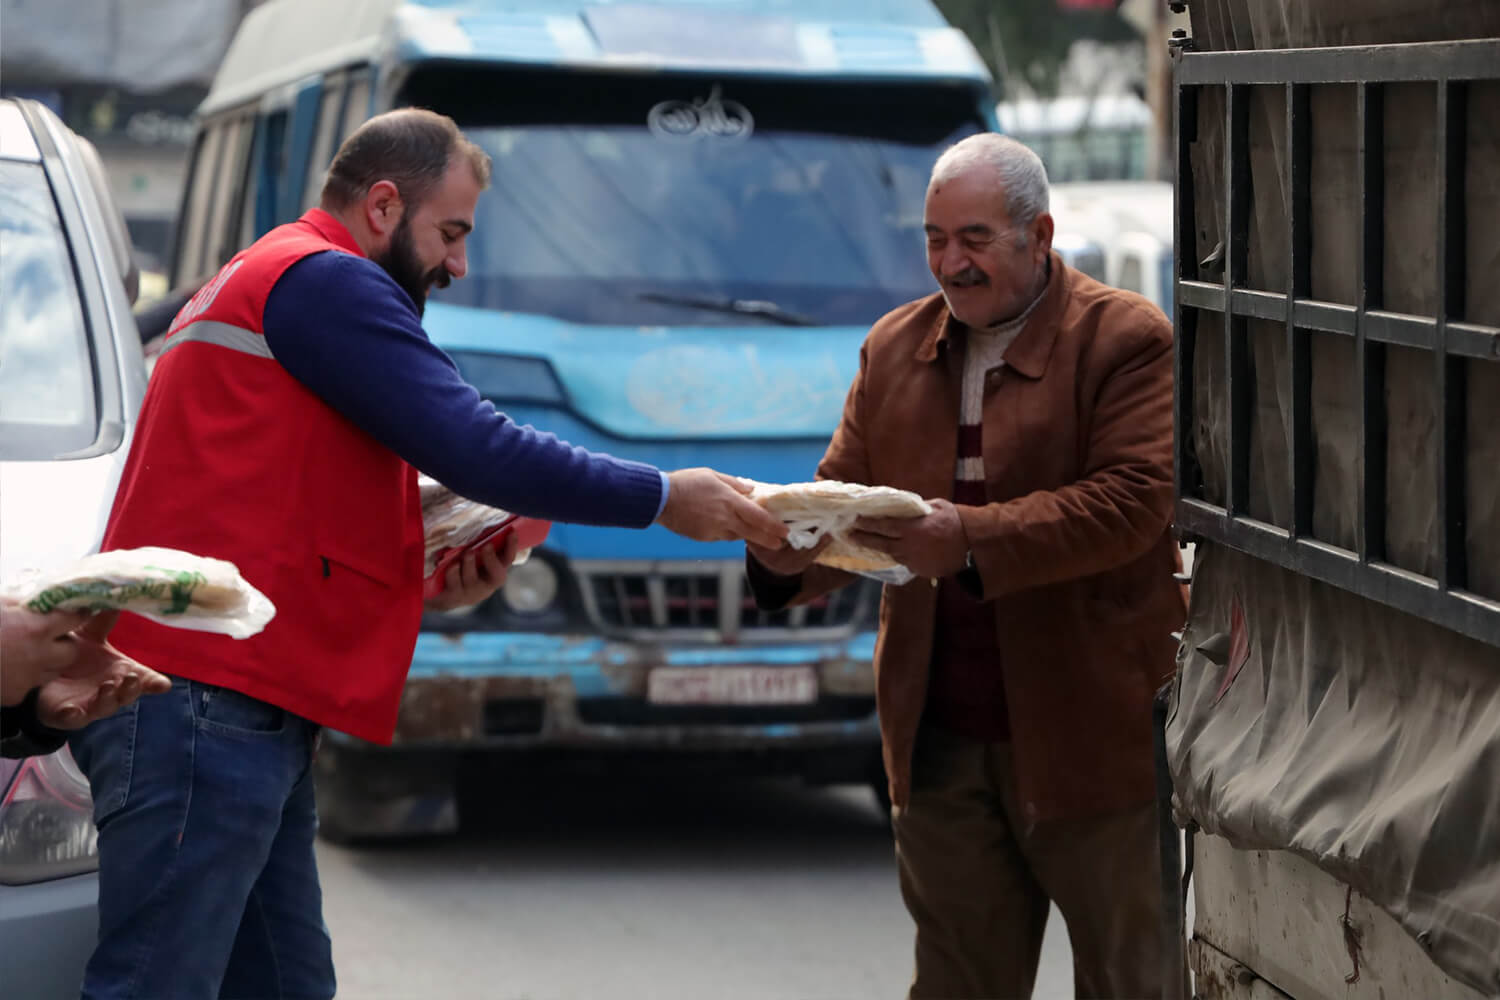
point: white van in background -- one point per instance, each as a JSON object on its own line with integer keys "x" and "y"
{"x": 1132, "y": 222}
{"x": 1099, "y": 138}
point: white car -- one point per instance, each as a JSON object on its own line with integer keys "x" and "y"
{"x": 71, "y": 382}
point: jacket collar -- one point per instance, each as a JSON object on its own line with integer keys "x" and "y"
{"x": 1032, "y": 347}
{"x": 331, "y": 229}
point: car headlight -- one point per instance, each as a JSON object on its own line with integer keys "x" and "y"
{"x": 530, "y": 588}
{"x": 46, "y": 821}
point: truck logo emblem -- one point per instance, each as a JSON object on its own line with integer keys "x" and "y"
{"x": 705, "y": 117}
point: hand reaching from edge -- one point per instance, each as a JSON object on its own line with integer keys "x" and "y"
{"x": 708, "y": 506}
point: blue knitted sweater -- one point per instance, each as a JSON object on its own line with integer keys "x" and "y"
{"x": 343, "y": 328}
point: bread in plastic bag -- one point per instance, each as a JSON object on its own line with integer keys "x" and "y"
{"x": 450, "y": 521}
{"x": 826, "y": 507}
{"x": 167, "y": 586}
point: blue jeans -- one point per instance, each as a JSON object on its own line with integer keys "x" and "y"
{"x": 208, "y": 886}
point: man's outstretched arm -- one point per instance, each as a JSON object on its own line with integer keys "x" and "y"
{"x": 346, "y": 331}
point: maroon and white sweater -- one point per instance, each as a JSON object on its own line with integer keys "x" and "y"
{"x": 966, "y": 692}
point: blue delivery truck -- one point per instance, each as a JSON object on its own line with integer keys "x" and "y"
{"x": 697, "y": 211}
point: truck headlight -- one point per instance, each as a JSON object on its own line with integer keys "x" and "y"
{"x": 530, "y": 588}
{"x": 46, "y": 820}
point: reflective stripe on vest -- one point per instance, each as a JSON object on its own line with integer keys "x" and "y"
{"x": 208, "y": 331}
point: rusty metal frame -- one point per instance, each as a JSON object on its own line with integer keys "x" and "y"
{"x": 1450, "y": 67}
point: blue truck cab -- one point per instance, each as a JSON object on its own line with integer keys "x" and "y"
{"x": 696, "y": 212}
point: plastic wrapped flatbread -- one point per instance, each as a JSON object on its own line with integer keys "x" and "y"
{"x": 812, "y": 510}
{"x": 450, "y": 521}
{"x": 167, "y": 586}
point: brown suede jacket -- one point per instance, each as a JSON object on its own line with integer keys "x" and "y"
{"x": 1073, "y": 548}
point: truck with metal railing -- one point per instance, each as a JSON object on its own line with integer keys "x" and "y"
{"x": 1331, "y": 742}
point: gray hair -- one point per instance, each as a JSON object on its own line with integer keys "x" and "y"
{"x": 1016, "y": 168}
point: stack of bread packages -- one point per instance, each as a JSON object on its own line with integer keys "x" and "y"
{"x": 451, "y": 522}
{"x": 812, "y": 510}
{"x": 168, "y": 586}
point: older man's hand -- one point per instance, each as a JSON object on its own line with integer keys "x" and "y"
{"x": 785, "y": 560}
{"x": 471, "y": 580}
{"x": 97, "y": 681}
{"x": 933, "y": 546}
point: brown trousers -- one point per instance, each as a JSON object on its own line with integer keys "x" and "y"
{"x": 978, "y": 883}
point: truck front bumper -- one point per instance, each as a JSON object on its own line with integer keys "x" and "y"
{"x": 479, "y": 699}
{"x": 502, "y": 690}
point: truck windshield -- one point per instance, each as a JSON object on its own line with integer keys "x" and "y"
{"x": 708, "y": 204}
{"x": 47, "y": 404}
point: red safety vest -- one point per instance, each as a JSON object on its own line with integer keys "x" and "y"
{"x": 234, "y": 458}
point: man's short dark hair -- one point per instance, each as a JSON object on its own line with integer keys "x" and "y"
{"x": 410, "y": 147}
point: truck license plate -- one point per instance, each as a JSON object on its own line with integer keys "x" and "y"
{"x": 732, "y": 686}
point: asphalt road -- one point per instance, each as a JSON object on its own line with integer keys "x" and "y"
{"x": 599, "y": 889}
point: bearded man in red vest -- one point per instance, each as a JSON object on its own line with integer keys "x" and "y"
{"x": 293, "y": 403}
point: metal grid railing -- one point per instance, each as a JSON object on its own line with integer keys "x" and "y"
{"x": 1224, "y": 308}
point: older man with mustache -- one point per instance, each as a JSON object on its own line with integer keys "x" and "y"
{"x": 1015, "y": 675}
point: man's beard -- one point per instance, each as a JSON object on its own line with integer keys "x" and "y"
{"x": 400, "y": 261}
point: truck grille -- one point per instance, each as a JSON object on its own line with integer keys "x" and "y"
{"x": 710, "y": 601}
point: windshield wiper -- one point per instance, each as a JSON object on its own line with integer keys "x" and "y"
{"x": 742, "y": 307}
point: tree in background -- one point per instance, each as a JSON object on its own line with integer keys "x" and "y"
{"x": 1026, "y": 42}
